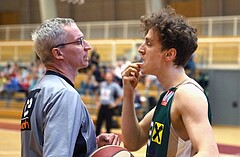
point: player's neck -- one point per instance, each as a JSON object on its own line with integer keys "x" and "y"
{"x": 174, "y": 78}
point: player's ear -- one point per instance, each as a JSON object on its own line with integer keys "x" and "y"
{"x": 170, "y": 54}
{"x": 57, "y": 53}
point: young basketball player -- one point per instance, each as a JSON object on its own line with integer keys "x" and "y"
{"x": 180, "y": 124}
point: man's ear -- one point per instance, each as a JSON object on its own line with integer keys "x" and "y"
{"x": 58, "y": 54}
{"x": 170, "y": 54}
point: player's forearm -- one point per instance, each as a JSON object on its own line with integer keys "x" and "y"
{"x": 130, "y": 127}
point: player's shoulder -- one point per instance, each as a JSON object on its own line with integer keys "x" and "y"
{"x": 190, "y": 90}
{"x": 188, "y": 95}
{"x": 191, "y": 86}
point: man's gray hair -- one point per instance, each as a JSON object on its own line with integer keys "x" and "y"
{"x": 49, "y": 34}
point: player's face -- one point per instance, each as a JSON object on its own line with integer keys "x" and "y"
{"x": 76, "y": 53}
{"x": 151, "y": 53}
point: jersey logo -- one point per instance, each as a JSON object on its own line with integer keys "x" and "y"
{"x": 157, "y": 132}
{"x": 27, "y": 110}
{"x": 167, "y": 97}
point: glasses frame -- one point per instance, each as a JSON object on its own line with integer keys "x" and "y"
{"x": 78, "y": 42}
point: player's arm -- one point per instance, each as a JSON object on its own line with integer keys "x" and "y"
{"x": 135, "y": 134}
{"x": 193, "y": 108}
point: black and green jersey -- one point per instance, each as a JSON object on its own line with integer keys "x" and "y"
{"x": 163, "y": 141}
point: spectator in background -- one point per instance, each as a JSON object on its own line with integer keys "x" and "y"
{"x": 117, "y": 70}
{"x": 126, "y": 62}
{"x": 7, "y": 70}
{"x": 94, "y": 57}
{"x": 15, "y": 81}
{"x": 138, "y": 102}
{"x": 89, "y": 85}
{"x": 98, "y": 72}
{"x": 24, "y": 78}
{"x": 109, "y": 96}
{"x": 12, "y": 85}
{"x": 122, "y": 63}
{"x": 37, "y": 72}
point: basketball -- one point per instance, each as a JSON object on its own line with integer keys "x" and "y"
{"x": 111, "y": 151}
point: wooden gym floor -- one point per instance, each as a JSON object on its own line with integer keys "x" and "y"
{"x": 227, "y": 137}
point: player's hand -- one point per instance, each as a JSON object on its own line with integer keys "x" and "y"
{"x": 130, "y": 75}
{"x": 108, "y": 139}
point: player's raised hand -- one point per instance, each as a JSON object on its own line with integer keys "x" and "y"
{"x": 130, "y": 75}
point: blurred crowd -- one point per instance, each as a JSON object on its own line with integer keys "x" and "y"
{"x": 15, "y": 77}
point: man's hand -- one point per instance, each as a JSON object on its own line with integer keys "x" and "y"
{"x": 108, "y": 139}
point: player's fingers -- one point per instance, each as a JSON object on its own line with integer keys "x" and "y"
{"x": 131, "y": 69}
{"x": 111, "y": 138}
{"x": 116, "y": 140}
{"x": 130, "y": 72}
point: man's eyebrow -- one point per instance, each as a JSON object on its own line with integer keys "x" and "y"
{"x": 81, "y": 37}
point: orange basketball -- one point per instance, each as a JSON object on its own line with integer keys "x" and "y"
{"x": 111, "y": 151}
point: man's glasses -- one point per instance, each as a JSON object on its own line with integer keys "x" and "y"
{"x": 78, "y": 42}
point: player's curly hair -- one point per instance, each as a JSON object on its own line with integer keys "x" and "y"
{"x": 173, "y": 32}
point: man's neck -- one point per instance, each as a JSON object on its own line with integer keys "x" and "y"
{"x": 62, "y": 71}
